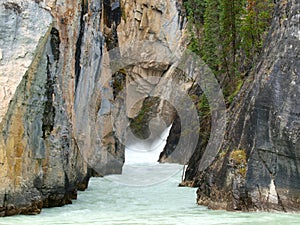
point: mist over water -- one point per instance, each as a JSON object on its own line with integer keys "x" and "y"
{"x": 141, "y": 167}
{"x": 141, "y": 153}
{"x": 146, "y": 193}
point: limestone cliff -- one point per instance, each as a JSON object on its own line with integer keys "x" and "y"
{"x": 40, "y": 164}
{"x": 64, "y": 108}
{"x": 44, "y": 46}
{"x": 258, "y": 163}
{"x": 149, "y": 37}
{"x": 89, "y": 76}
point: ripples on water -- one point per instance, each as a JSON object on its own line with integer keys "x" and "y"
{"x": 145, "y": 193}
{"x": 109, "y": 201}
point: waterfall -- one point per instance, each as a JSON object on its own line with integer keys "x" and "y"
{"x": 141, "y": 167}
{"x": 141, "y": 153}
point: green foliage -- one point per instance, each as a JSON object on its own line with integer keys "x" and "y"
{"x": 195, "y": 10}
{"x": 231, "y": 11}
{"x": 212, "y": 34}
{"x": 238, "y": 156}
{"x": 238, "y": 87}
{"x": 238, "y": 159}
{"x": 202, "y": 104}
{"x": 139, "y": 125}
{"x": 228, "y": 35}
{"x": 255, "y": 24}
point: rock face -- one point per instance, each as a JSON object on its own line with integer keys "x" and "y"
{"x": 150, "y": 36}
{"x": 64, "y": 108}
{"x": 40, "y": 164}
{"x": 42, "y": 102}
{"x": 258, "y": 164}
{"x": 18, "y": 44}
{"x": 88, "y": 78}
{"x": 93, "y": 107}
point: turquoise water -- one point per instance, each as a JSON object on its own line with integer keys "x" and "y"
{"x": 110, "y": 201}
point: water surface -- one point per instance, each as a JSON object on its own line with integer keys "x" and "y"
{"x": 145, "y": 193}
{"x": 109, "y": 201}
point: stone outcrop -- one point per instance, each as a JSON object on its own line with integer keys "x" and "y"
{"x": 88, "y": 78}
{"x": 150, "y": 36}
{"x": 47, "y": 48}
{"x": 258, "y": 164}
{"x": 18, "y": 44}
{"x": 94, "y": 94}
{"x": 64, "y": 108}
{"x": 40, "y": 164}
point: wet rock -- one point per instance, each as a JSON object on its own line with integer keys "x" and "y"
{"x": 41, "y": 163}
{"x": 264, "y": 124}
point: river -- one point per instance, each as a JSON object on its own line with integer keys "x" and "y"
{"x": 110, "y": 201}
{"x": 146, "y": 193}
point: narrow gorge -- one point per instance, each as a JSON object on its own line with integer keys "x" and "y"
{"x": 81, "y": 80}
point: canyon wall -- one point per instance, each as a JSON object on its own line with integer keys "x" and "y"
{"x": 64, "y": 108}
{"x": 43, "y": 46}
{"x": 258, "y": 164}
{"x": 82, "y": 79}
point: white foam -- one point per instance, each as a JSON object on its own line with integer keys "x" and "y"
{"x": 141, "y": 153}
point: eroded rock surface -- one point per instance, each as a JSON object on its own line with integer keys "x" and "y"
{"x": 258, "y": 164}
{"x": 41, "y": 163}
{"x": 153, "y": 34}
{"x": 21, "y": 33}
{"x": 60, "y": 97}
{"x": 75, "y": 80}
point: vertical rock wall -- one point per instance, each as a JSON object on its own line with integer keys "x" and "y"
{"x": 41, "y": 165}
{"x": 258, "y": 164}
{"x": 45, "y": 54}
{"x": 153, "y": 33}
{"x": 63, "y": 105}
{"x": 60, "y": 98}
